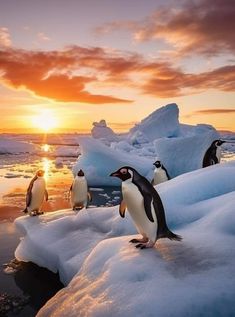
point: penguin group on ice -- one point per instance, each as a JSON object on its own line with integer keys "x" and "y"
{"x": 139, "y": 197}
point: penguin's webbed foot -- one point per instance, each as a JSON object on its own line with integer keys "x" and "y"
{"x": 134, "y": 241}
{"x": 141, "y": 246}
{"x": 143, "y": 240}
{"x": 149, "y": 244}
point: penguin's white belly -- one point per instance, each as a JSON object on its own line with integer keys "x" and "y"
{"x": 79, "y": 192}
{"x": 160, "y": 177}
{"x": 37, "y": 195}
{"x": 218, "y": 153}
{"x": 135, "y": 205}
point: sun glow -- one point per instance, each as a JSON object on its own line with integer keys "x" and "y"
{"x": 45, "y": 121}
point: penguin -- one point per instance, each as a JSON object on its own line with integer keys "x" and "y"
{"x": 213, "y": 153}
{"x": 79, "y": 192}
{"x": 160, "y": 174}
{"x": 145, "y": 207}
{"x": 35, "y": 194}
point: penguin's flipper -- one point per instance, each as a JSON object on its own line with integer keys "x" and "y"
{"x": 122, "y": 209}
{"x": 89, "y": 196}
{"x": 152, "y": 182}
{"x": 46, "y": 195}
{"x": 28, "y": 198}
{"x": 147, "y": 206}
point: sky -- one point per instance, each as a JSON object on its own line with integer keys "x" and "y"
{"x": 67, "y": 64}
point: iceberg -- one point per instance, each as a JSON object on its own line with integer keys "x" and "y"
{"x": 180, "y": 147}
{"x": 184, "y": 154}
{"x": 162, "y": 122}
{"x": 100, "y": 130}
{"x": 105, "y": 275}
{"x": 98, "y": 161}
{"x": 9, "y": 146}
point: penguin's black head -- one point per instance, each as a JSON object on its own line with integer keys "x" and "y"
{"x": 157, "y": 164}
{"x": 220, "y": 142}
{"x": 80, "y": 173}
{"x": 124, "y": 173}
{"x": 40, "y": 173}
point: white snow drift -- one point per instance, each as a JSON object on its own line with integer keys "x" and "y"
{"x": 108, "y": 276}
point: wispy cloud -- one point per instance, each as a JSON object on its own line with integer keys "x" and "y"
{"x": 73, "y": 74}
{"x": 196, "y": 27}
{"x": 214, "y": 111}
{"x": 5, "y": 39}
{"x": 43, "y": 37}
{"x": 210, "y": 112}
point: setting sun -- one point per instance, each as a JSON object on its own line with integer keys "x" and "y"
{"x": 46, "y": 121}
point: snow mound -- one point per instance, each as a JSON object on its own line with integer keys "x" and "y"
{"x": 161, "y": 123}
{"x": 100, "y": 130}
{"x": 8, "y": 146}
{"x": 98, "y": 161}
{"x": 110, "y": 277}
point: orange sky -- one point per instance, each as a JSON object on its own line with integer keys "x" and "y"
{"x": 79, "y": 64}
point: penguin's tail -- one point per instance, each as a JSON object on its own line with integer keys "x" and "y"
{"x": 25, "y": 210}
{"x": 170, "y": 235}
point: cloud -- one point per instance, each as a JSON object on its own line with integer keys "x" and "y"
{"x": 5, "y": 40}
{"x": 53, "y": 74}
{"x": 213, "y": 111}
{"x": 169, "y": 82}
{"x": 78, "y": 74}
{"x": 43, "y": 37}
{"x": 196, "y": 27}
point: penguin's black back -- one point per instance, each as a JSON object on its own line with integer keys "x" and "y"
{"x": 163, "y": 167}
{"x": 210, "y": 157}
{"x": 151, "y": 195}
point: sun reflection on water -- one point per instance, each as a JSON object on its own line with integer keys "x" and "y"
{"x": 45, "y": 147}
{"x": 46, "y": 167}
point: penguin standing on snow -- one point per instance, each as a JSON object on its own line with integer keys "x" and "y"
{"x": 35, "y": 194}
{"x": 213, "y": 153}
{"x": 145, "y": 207}
{"x": 79, "y": 192}
{"x": 160, "y": 174}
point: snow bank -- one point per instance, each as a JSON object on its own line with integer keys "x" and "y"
{"x": 100, "y": 130}
{"x": 161, "y": 123}
{"x": 8, "y": 146}
{"x": 191, "y": 278}
{"x": 98, "y": 161}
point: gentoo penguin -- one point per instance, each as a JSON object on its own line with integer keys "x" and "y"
{"x": 35, "y": 194}
{"x": 160, "y": 174}
{"x": 145, "y": 207}
{"x": 213, "y": 153}
{"x": 79, "y": 192}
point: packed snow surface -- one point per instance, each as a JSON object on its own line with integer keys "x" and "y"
{"x": 107, "y": 276}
